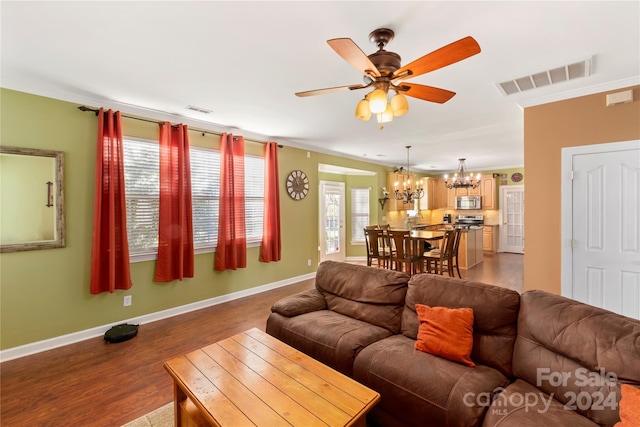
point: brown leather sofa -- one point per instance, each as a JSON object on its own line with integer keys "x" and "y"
{"x": 534, "y": 353}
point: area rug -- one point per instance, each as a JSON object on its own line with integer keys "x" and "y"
{"x": 161, "y": 417}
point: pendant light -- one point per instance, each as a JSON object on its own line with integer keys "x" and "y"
{"x": 462, "y": 178}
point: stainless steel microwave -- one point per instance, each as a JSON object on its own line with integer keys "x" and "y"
{"x": 469, "y": 202}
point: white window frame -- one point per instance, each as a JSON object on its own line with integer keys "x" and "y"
{"x": 253, "y": 174}
{"x": 359, "y": 217}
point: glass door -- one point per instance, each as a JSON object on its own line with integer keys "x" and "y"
{"x": 512, "y": 212}
{"x": 332, "y": 214}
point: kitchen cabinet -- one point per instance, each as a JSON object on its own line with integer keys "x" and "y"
{"x": 490, "y": 238}
{"x": 445, "y": 198}
{"x": 488, "y": 191}
{"x": 430, "y": 200}
{"x": 450, "y": 197}
{"x": 470, "y": 250}
{"x": 468, "y": 191}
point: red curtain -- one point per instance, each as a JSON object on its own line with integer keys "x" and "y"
{"x": 175, "y": 237}
{"x": 271, "y": 246}
{"x": 110, "y": 252}
{"x": 231, "y": 252}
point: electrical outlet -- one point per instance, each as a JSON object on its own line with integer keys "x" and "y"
{"x": 309, "y": 262}
{"x": 127, "y": 300}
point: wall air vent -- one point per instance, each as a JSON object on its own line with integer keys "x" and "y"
{"x": 199, "y": 110}
{"x": 546, "y": 78}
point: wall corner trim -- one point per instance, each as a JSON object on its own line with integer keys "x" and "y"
{"x": 60, "y": 341}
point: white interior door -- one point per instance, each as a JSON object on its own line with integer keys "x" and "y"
{"x": 332, "y": 214}
{"x": 512, "y": 214}
{"x": 605, "y": 228}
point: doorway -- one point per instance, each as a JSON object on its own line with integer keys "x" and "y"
{"x": 332, "y": 215}
{"x": 512, "y": 219}
{"x": 601, "y": 226}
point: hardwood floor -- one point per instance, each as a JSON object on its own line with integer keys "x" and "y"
{"x": 92, "y": 383}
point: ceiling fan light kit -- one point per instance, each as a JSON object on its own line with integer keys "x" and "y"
{"x": 399, "y": 105}
{"x": 363, "y": 112}
{"x": 383, "y": 71}
{"x": 386, "y": 116}
{"x": 378, "y": 101}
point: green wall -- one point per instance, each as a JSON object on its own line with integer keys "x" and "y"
{"x": 45, "y": 293}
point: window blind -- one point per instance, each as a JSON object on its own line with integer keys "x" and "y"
{"x": 142, "y": 183}
{"x": 359, "y": 213}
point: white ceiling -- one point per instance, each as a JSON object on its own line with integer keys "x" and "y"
{"x": 245, "y": 61}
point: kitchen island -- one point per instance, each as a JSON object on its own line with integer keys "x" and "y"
{"x": 470, "y": 252}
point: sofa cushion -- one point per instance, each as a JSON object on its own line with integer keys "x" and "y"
{"x": 327, "y": 336}
{"x": 300, "y": 303}
{"x": 569, "y": 348}
{"x": 523, "y": 405}
{"x": 446, "y": 332}
{"x": 495, "y": 311}
{"x": 422, "y": 389}
{"x": 369, "y": 294}
{"x": 629, "y": 406}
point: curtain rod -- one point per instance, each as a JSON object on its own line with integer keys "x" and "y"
{"x": 202, "y": 131}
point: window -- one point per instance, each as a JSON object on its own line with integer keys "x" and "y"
{"x": 142, "y": 184}
{"x": 359, "y": 213}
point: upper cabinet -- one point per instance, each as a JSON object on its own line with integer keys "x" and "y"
{"x": 468, "y": 191}
{"x": 438, "y": 196}
{"x": 431, "y": 198}
{"x": 488, "y": 191}
{"x": 443, "y": 198}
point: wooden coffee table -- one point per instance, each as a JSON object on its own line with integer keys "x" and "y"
{"x": 254, "y": 379}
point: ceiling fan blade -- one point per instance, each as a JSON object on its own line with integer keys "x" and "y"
{"x": 426, "y": 93}
{"x": 446, "y": 55}
{"x": 350, "y": 52}
{"x": 329, "y": 90}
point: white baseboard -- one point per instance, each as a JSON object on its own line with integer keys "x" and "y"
{"x": 355, "y": 258}
{"x": 51, "y": 343}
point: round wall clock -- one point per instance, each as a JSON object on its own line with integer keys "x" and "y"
{"x": 516, "y": 177}
{"x": 297, "y": 185}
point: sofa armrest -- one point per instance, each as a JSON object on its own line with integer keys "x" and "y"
{"x": 303, "y": 302}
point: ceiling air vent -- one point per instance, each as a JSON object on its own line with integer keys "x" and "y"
{"x": 199, "y": 110}
{"x": 546, "y": 78}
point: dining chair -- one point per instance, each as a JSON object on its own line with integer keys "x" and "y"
{"x": 403, "y": 257}
{"x": 437, "y": 260}
{"x": 378, "y": 247}
{"x": 454, "y": 253}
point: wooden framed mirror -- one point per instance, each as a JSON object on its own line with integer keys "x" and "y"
{"x": 32, "y": 205}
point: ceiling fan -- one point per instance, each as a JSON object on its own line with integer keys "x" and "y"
{"x": 383, "y": 71}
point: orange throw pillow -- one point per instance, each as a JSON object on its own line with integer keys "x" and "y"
{"x": 446, "y": 332}
{"x": 629, "y": 407}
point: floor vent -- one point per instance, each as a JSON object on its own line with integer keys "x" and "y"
{"x": 199, "y": 110}
{"x": 546, "y": 78}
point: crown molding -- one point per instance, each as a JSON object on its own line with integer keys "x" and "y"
{"x": 576, "y": 93}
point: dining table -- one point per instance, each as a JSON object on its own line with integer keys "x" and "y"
{"x": 422, "y": 234}
{"x": 416, "y": 246}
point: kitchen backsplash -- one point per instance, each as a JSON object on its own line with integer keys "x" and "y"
{"x": 398, "y": 219}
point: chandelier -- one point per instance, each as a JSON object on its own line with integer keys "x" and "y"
{"x": 462, "y": 178}
{"x": 375, "y": 102}
{"x": 408, "y": 194}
